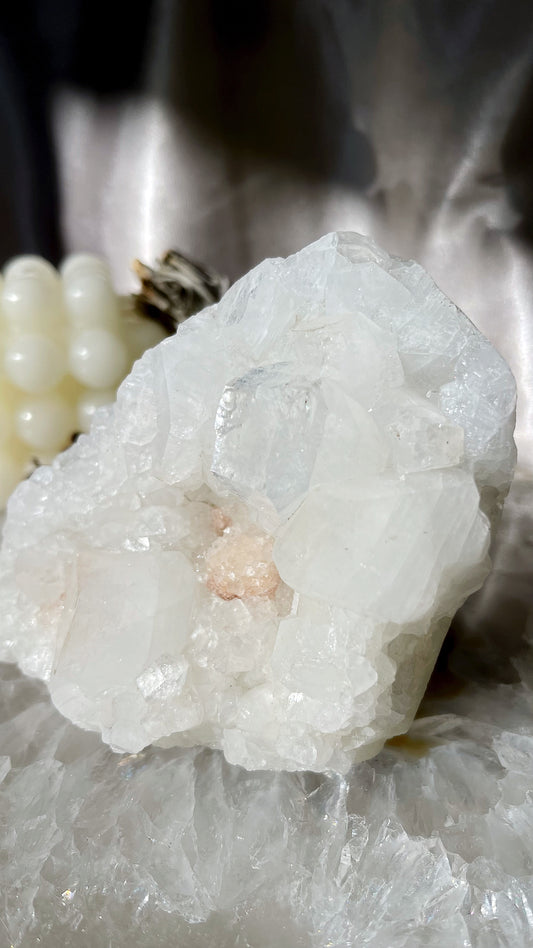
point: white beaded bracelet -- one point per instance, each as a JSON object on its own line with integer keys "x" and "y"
{"x": 67, "y": 342}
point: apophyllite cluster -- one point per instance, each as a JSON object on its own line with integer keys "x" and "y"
{"x": 260, "y": 546}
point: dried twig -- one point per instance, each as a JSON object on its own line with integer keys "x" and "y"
{"x": 176, "y": 288}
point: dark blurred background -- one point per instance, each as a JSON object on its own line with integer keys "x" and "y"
{"x": 238, "y": 129}
{"x": 405, "y": 105}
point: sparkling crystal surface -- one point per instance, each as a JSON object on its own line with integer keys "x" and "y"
{"x": 261, "y": 546}
{"x": 428, "y": 845}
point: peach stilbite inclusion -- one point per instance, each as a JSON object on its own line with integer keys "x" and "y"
{"x": 241, "y": 566}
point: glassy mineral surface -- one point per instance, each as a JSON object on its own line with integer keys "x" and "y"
{"x": 260, "y": 547}
{"x": 428, "y": 845}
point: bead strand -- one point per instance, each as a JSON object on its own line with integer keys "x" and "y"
{"x": 66, "y": 342}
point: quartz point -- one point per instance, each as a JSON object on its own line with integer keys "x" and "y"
{"x": 260, "y": 546}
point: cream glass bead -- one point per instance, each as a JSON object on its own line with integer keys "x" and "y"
{"x": 89, "y": 403}
{"x": 35, "y": 363}
{"x": 90, "y": 300}
{"x": 6, "y": 422}
{"x": 30, "y": 266}
{"x": 97, "y": 358}
{"x": 45, "y": 424}
{"x": 31, "y": 295}
{"x": 8, "y": 398}
{"x": 83, "y": 263}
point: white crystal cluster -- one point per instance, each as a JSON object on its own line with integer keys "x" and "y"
{"x": 66, "y": 341}
{"x": 429, "y": 845}
{"x": 261, "y": 545}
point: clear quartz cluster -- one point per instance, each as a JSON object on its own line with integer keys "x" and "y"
{"x": 261, "y": 545}
{"x": 66, "y": 342}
